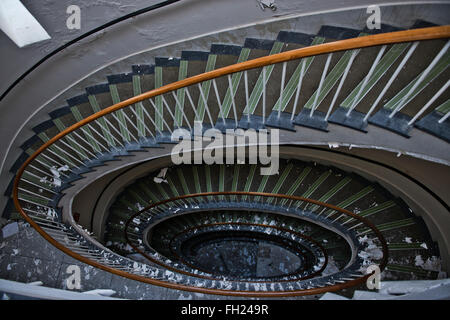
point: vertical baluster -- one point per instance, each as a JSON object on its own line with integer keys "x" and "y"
{"x": 206, "y": 104}
{"x": 191, "y": 103}
{"x": 283, "y": 77}
{"x": 425, "y": 107}
{"x": 299, "y": 85}
{"x": 341, "y": 83}
{"x": 175, "y": 122}
{"x": 159, "y": 114}
{"x": 391, "y": 80}
{"x": 95, "y": 131}
{"x": 436, "y": 59}
{"x": 264, "y": 94}
{"x": 219, "y": 103}
{"x": 132, "y": 124}
{"x": 246, "y": 95}
{"x": 142, "y": 122}
{"x": 230, "y": 84}
{"x": 444, "y": 117}
{"x": 182, "y": 110}
{"x": 366, "y": 79}
{"x": 322, "y": 79}
{"x": 151, "y": 120}
{"x": 69, "y": 137}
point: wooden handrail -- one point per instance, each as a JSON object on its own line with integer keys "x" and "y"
{"x": 349, "y": 44}
{"x": 335, "y": 46}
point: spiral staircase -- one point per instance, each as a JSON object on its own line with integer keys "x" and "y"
{"x": 224, "y": 229}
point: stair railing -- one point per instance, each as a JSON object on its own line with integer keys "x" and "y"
{"x": 141, "y": 121}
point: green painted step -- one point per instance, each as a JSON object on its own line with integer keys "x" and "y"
{"x": 249, "y": 180}
{"x": 391, "y": 225}
{"x": 163, "y": 192}
{"x": 143, "y": 186}
{"x": 179, "y": 109}
{"x": 138, "y": 198}
{"x": 137, "y": 90}
{"x": 235, "y": 80}
{"x": 198, "y": 188}
{"x": 291, "y": 87}
{"x": 297, "y": 183}
{"x": 396, "y": 224}
{"x": 120, "y": 113}
{"x": 120, "y": 213}
{"x": 444, "y": 108}
{"x": 36, "y": 180}
{"x": 262, "y": 186}
{"x": 235, "y": 181}
{"x": 159, "y": 112}
{"x": 281, "y": 181}
{"x": 406, "y": 246}
{"x": 86, "y": 130}
{"x": 182, "y": 179}
{"x": 222, "y": 180}
{"x": 332, "y": 78}
{"x": 257, "y": 92}
{"x": 101, "y": 122}
{"x": 208, "y": 180}
{"x": 376, "y": 209}
{"x": 336, "y": 188}
{"x": 43, "y": 136}
{"x": 70, "y": 139}
{"x": 33, "y": 199}
{"x": 44, "y": 162}
{"x": 314, "y": 186}
{"x": 128, "y": 204}
{"x": 172, "y": 187}
{"x": 347, "y": 202}
{"x": 410, "y": 269}
{"x": 440, "y": 67}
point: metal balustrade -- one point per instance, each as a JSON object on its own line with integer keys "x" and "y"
{"x": 115, "y": 130}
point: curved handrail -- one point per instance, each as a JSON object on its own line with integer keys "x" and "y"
{"x": 341, "y": 45}
{"x": 349, "y": 44}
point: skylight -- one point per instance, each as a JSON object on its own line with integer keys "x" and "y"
{"x": 19, "y": 24}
